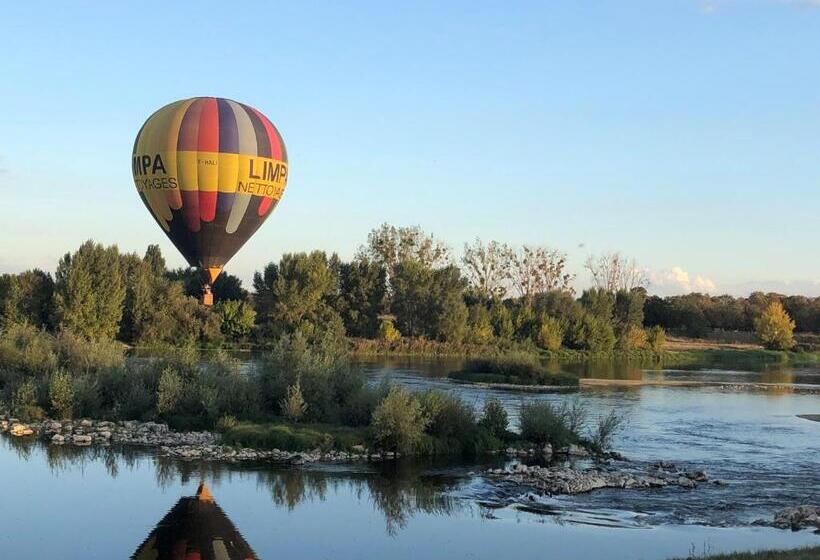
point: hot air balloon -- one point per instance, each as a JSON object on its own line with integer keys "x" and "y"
{"x": 210, "y": 170}
{"x": 196, "y": 527}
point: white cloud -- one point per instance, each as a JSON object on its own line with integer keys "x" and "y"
{"x": 677, "y": 281}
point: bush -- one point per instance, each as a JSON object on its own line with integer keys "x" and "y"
{"x": 387, "y": 330}
{"x": 237, "y": 319}
{"x": 449, "y": 418}
{"x": 87, "y": 398}
{"x": 27, "y": 349}
{"x": 517, "y": 368}
{"x": 226, "y": 423}
{"x": 593, "y": 333}
{"x": 293, "y": 406}
{"x": 24, "y": 404}
{"x": 398, "y": 422}
{"x": 656, "y": 338}
{"x": 774, "y": 328}
{"x": 541, "y": 423}
{"x": 77, "y": 354}
{"x": 61, "y": 395}
{"x": 606, "y": 429}
{"x": 169, "y": 391}
{"x": 495, "y": 419}
{"x": 550, "y": 333}
{"x": 632, "y": 338}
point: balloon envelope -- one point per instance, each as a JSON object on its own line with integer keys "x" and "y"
{"x": 210, "y": 170}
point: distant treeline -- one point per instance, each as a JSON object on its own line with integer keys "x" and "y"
{"x": 401, "y": 283}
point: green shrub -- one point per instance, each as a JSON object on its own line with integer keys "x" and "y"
{"x": 541, "y": 423}
{"x": 226, "y": 423}
{"x": 237, "y": 318}
{"x": 550, "y": 333}
{"x": 605, "y": 430}
{"x": 87, "y": 397}
{"x": 387, "y": 330}
{"x": 398, "y": 422}
{"x": 61, "y": 395}
{"x": 495, "y": 419}
{"x": 632, "y": 338}
{"x": 293, "y": 405}
{"x": 656, "y": 337}
{"x": 774, "y": 328}
{"x": 77, "y": 355}
{"x": 28, "y": 349}
{"x": 25, "y": 403}
{"x": 169, "y": 391}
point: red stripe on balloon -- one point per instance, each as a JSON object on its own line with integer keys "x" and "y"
{"x": 208, "y": 140}
{"x": 207, "y": 206}
{"x": 267, "y": 204}
{"x": 190, "y": 209}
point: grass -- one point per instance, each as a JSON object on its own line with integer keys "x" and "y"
{"x": 811, "y": 553}
{"x": 294, "y": 437}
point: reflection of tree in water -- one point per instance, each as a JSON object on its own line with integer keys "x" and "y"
{"x": 397, "y": 490}
{"x": 196, "y": 527}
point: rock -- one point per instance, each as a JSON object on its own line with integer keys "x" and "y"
{"x": 81, "y": 440}
{"x": 800, "y": 517}
{"x": 58, "y": 439}
{"x": 546, "y": 450}
{"x": 86, "y": 423}
{"x": 357, "y": 449}
{"x": 19, "y": 430}
{"x": 697, "y": 476}
{"x": 684, "y": 482}
{"x": 578, "y": 451}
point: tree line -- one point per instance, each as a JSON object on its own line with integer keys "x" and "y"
{"x": 402, "y": 282}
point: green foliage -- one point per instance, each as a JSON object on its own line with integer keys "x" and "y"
{"x": 362, "y": 296}
{"x": 605, "y": 430}
{"x": 592, "y": 333}
{"x": 774, "y": 328}
{"x": 517, "y": 368}
{"x": 27, "y": 297}
{"x": 398, "y": 422}
{"x": 236, "y": 319}
{"x": 502, "y": 322}
{"x": 479, "y": 326}
{"x": 25, "y": 402}
{"x": 542, "y": 423}
{"x": 226, "y": 423}
{"x": 298, "y": 294}
{"x": 89, "y": 291}
{"x": 495, "y": 419}
{"x": 632, "y": 337}
{"x": 169, "y": 391}
{"x": 387, "y": 331}
{"x": 277, "y": 436}
{"x": 599, "y": 303}
{"x": 550, "y": 333}
{"x": 293, "y": 405}
{"x": 656, "y": 338}
{"x": 61, "y": 395}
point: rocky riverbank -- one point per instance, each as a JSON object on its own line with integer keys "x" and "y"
{"x": 553, "y": 480}
{"x": 167, "y": 442}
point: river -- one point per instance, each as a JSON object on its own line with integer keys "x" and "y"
{"x": 104, "y": 502}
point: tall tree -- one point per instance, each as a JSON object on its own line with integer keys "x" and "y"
{"x": 534, "y": 270}
{"x": 89, "y": 291}
{"x": 486, "y": 267}
{"x": 613, "y": 272}
{"x": 389, "y": 245}
{"x": 28, "y": 297}
{"x": 362, "y": 296}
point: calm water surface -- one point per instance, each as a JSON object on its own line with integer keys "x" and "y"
{"x": 103, "y": 503}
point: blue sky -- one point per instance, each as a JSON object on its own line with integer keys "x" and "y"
{"x": 685, "y": 134}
